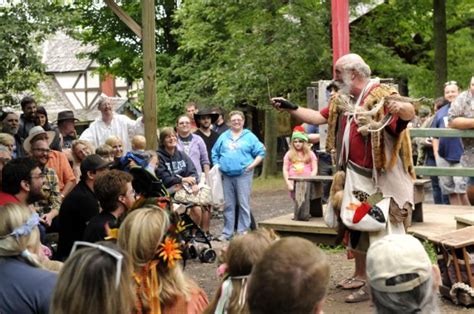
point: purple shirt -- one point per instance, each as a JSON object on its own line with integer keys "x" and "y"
{"x": 196, "y": 150}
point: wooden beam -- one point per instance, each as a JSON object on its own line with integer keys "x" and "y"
{"x": 427, "y": 132}
{"x": 444, "y": 171}
{"x": 149, "y": 73}
{"x": 124, "y": 17}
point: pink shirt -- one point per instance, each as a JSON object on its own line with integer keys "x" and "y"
{"x": 299, "y": 168}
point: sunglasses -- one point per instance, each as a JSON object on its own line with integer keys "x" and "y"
{"x": 118, "y": 256}
{"x": 451, "y": 83}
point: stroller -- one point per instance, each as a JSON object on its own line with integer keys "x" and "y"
{"x": 151, "y": 190}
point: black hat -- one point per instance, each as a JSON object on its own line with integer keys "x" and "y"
{"x": 66, "y": 115}
{"x": 146, "y": 183}
{"x": 93, "y": 163}
{"x": 205, "y": 112}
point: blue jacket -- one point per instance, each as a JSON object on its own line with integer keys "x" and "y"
{"x": 233, "y": 156}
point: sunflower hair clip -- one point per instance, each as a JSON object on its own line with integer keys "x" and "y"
{"x": 169, "y": 250}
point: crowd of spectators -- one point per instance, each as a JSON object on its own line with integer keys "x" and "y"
{"x": 55, "y": 182}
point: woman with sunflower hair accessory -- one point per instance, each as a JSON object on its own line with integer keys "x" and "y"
{"x": 150, "y": 236}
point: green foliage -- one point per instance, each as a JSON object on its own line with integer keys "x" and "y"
{"x": 430, "y": 249}
{"x": 233, "y": 52}
{"x": 119, "y": 49}
{"x": 396, "y": 38}
{"x": 332, "y": 249}
{"x": 23, "y": 26}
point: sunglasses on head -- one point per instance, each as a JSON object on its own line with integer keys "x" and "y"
{"x": 118, "y": 256}
{"x": 451, "y": 83}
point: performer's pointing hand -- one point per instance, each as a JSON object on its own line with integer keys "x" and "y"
{"x": 282, "y": 103}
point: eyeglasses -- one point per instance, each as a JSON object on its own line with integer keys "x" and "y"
{"x": 131, "y": 192}
{"x": 118, "y": 256}
{"x": 451, "y": 83}
{"x": 42, "y": 176}
{"x": 42, "y": 150}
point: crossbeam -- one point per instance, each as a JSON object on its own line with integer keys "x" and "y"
{"x": 434, "y": 132}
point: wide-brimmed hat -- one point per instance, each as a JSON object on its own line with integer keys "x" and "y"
{"x": 205, "y": 112}
{"x": 34, "y": 131}
{"x": 66, "y": 115}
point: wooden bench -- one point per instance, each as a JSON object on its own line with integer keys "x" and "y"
{"x": 456, "y": 265}
{"x": 309, "y": 194}
{"x": 463, "y": 221}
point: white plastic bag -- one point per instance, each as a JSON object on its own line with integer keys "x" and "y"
{"x": 215, "y": 182}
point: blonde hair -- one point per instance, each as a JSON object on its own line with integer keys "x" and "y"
{"x": 294, "y": 155}
{"x": 75, "y": 143}
{"x": 138, "y": 142}
{"x": 13, "y": 216}
{"x": 237, "y": 112}
{"x": 7, "y": 139}
{"x": 140, "y": 235}
{"x": 112, "y": 140}
{"x": 86, "y": 284}
{"x": 242, "y": 254}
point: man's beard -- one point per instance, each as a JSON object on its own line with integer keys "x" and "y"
{"x": 9, "y": 130}
{"x": 205, "y": 127}
{"x": 34, "y": 196}
{"x": 344, "y": 86}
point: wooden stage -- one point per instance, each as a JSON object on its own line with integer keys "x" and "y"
{"x": 438, "y": 219}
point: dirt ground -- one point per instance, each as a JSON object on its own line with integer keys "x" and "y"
{"x": 275, "y": 203}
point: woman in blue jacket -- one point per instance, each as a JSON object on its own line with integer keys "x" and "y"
{"x": 237, "y": 152}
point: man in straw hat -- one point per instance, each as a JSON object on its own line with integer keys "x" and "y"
{"x": 55, "y": 160}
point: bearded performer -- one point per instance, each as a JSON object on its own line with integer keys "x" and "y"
{"x": 372, "y": 192}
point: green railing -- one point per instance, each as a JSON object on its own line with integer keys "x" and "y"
{"x": 442, "y": 171}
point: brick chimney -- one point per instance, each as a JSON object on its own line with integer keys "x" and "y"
{"x": 107, "y": 85}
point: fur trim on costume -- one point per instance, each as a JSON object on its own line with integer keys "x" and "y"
{"x": 403, "y": 143}
{"x": 337, "y": 188}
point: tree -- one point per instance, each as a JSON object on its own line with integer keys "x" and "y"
{"x": 397, "y": 39}
{"x": 119, "y": 51}
{"x": 440, "y": 46}
{"x": 232, "y": 52}
{"x": 23, "y": 26}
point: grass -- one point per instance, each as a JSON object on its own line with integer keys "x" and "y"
{"x": 332, "y": 249}
{"x": 430, "y": 249}
{"x": 272, "y": 183}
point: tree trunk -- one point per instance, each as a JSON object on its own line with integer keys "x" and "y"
{"x": 270, "y": 140}
{"x": 440, "y": 46}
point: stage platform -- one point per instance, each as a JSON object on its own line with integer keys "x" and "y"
{"x": 438, "y": 219}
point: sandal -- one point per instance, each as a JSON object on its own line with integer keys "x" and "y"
{"x": 351, "y": 283}
{"x": 360, "y": 295}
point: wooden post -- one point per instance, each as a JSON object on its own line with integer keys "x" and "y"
{"x": 124, "y": 17}
{"x": 147, "y": 34}
{"x": 149, "y": 73}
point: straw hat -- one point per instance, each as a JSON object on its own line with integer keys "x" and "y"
{"x": 37, "y": 130}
